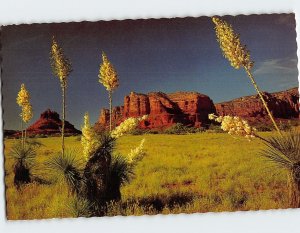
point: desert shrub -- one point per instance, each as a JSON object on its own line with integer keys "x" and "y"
{"x": 24, "y": 157}
{"x": 41, "y": 136}
{"x": 34, "y": 142}
{"x": 284, "y": 152}
{"x": 177, "y": 128}
{"x": 215, "y": 128}
{"x": 78, "y": 138}
{"x": 139, "y": 131}
{"x": 284, "y": 126}
{"x": 153, "y": 131}
{"x": 80, "y": 207}
{"x": 67, "y": 168}
{"x": 264, "y": 127}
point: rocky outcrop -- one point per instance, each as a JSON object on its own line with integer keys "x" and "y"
{"x": 189, "y": 108}
{"x": 192, "y": 108}
{"x": 49, "y": 123}
{"x": 283, "y": 105}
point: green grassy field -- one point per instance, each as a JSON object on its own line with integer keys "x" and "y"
{"x": 201, "y": 172}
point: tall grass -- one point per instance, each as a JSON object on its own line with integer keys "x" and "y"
{"x": 215, "y": 172}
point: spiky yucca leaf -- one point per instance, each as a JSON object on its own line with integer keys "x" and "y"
{"x": 120, "y": 170}
{"x": 67, "y": 168}
{"x": 24, "y": 154}
{"x": 80, "y": 207}
{"x": 284, "y": 150}
{"x": 107, "y": 143}
{"x": 120, "y": 173}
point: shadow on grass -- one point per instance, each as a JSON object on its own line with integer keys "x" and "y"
{"x": 42, "y": 181}
{"x": 158, "y": 203}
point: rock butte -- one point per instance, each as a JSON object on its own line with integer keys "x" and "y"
{"x": 49, "y": 123}
{"x": 192, "y": 108}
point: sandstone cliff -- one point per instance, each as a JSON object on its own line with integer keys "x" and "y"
{"x": 283, "y": 105}
{"x": 189, "y": 108}
{"x": 192, "y": 108}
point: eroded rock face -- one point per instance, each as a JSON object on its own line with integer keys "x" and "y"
{"x": 283, "y": 105}
{"x": 49, "y": 123}
{"x": 192, "y": 108}
{"x": 189, "y": 108}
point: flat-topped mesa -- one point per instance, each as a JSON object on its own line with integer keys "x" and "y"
{"x": 164, "y": 110}
{"x": 49, "y": 123}
{"x": 283, "y": 105}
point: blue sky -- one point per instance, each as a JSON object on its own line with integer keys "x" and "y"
{"x": 167, "y": 55}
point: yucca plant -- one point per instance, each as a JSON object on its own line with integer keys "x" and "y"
{"x": 61, "y": 68}
{"x": 239, "y": 56}
{"x": 284, "y": 152}
{"x": 67, "y": 168}
{"x": 24, "y": 157}
{"x": 96, "y": 175}
{"x": 120, "y": 173}
{"x": 23, "y": 100}
{"x": 109, "y": 79}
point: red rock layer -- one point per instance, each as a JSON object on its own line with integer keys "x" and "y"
{"x": 283, "y": 105}
{"x": 49, "y": 123}
{"x": 189, "y": 108}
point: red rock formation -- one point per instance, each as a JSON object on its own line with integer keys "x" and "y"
{"x": 283, "y": 105}
{"x": 189, "y": 108}
{"x": 49, "y": 123}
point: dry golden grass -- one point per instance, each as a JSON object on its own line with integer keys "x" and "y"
{"x": 180, "y": 174}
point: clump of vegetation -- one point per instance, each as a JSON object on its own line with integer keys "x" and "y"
{"x": 180, "y": 128}
{"x": 24, "y": 157}
{"x": 67, "y": 168}
{"x": 284, "y": 152}
{"x": 177, "y": 128}
{"x": 99, "y": 180}
{"x": 22, "y": 152}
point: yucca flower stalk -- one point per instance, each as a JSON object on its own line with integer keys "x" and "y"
{"x": 61, "y": 68}
{"x": 108, "y": 77}
{"x": 23, "y": 100}
{"x": 238, "y": 56}
{"x": 137, "y": 153}
{"x": 127, "y": 126}
{"x": 89, "y": 139}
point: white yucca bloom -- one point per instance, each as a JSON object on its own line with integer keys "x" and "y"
{"x": 127, "y": 126}
{"x": 234, "y": 125}
{"x": 89, "y": 140}
{"x": 137, "y": 153}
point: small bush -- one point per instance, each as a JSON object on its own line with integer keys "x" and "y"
{"x": 178, "y": 128}
{"x": 138, "y": 131}
{"x": 153, "y": 131}
{"x": 215, "y": 128}
{"x": 24, "y": 156}
{"x": 264, "y": 128}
